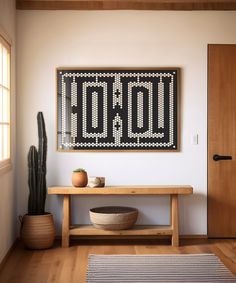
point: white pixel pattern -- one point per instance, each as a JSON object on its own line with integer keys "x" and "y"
{"x": 86, "y": 134}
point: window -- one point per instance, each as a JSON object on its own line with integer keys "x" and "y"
{"x": 4, "y": 103}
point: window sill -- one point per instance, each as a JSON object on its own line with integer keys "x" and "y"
{"x": 5, "y": 166}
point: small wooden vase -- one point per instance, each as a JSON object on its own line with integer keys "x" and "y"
{"x": 38, "y": 231}
{"x": 79, "y": 179}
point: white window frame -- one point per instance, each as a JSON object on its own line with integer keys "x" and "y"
{"x": 5, "y": 164}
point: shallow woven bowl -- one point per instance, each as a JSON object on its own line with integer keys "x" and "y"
{"x": 113, "y": 217}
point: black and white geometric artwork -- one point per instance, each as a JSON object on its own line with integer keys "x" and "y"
{"x": 117, "y": 109}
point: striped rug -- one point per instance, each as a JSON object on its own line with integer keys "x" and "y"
{"x": 189, "y": 268}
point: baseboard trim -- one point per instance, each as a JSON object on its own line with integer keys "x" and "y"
{"x": 2, "y": 263}
{"x": 193, "y": 236}
{"x": 182, "y": 237}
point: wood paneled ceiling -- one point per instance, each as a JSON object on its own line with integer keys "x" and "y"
{"x": 126, "y": 5}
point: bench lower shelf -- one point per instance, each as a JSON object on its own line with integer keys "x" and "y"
{"x": 137, "y": 230}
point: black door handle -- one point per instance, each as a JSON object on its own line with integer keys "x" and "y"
{"x": 217, "y": 157}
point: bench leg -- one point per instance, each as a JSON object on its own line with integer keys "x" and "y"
{"x": 175, "y": 220}
{"x": 66, "y": 222}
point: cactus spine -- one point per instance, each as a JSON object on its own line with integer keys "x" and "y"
{"x": 37, "y": 171}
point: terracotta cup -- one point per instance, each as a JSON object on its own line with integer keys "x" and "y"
{"x": 79, "y": 179}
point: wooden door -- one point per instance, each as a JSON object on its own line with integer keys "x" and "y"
{"x": 221, "y": 140}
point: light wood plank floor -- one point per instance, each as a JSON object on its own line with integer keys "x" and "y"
{"x": 68, "y": 265}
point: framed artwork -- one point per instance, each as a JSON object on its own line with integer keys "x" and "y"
{"x": 117, "y": 109}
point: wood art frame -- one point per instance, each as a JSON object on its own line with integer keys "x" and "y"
{"x": 117, "y": 109}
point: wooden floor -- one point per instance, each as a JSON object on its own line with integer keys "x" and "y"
{"x": 68, "y": 265}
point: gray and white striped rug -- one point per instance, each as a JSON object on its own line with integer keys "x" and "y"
{"x": 157, "y": 268}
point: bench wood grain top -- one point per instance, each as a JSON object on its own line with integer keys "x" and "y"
{"x": 124, "y": 190}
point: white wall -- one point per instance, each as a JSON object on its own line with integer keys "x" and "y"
{"x": 50, "y": 39}
{"x": 7, "y": 186}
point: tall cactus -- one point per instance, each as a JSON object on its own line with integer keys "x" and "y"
{"x": 32, "y": 178}
{"x": 37, "y": 171}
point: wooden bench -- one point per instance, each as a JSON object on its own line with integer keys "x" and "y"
{"x": 89, "y": 230}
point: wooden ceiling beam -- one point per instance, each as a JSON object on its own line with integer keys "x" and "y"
{"x": 184, "y": 5}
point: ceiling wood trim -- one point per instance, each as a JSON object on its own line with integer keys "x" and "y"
{"x": 184, "y": 5}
